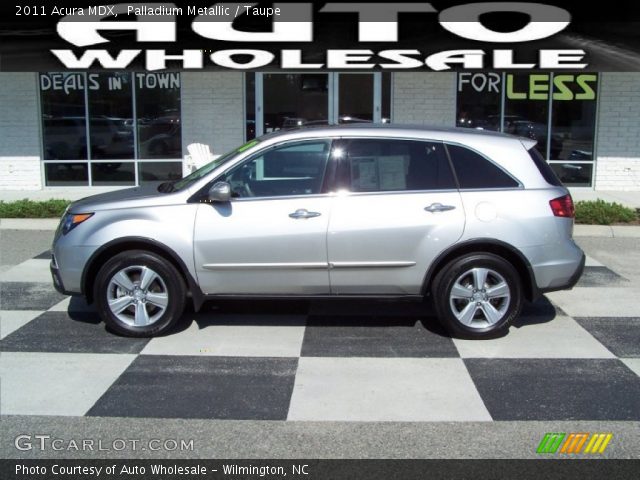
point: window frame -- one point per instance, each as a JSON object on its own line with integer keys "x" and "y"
{"x": 328, "y": 179}
{"x": 89, "y": 161}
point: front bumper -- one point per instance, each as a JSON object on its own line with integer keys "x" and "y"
{"x": 57, "y": 279}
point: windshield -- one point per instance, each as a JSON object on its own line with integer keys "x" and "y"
{"x": 211, "y": 166}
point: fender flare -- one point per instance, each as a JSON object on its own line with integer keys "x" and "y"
{"x": 532, "y": 292}
{"x": 138, "y": 242}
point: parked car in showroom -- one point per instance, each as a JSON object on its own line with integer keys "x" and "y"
{"x": 475, "y": 220}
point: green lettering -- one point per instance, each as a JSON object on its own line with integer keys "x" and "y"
{"x": 560, "y": 83}
{"x": 589, "y": 92}
{"x": 539, "y": 87}
{"x": 510, "y": 93}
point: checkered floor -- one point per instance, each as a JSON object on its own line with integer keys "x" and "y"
{"x": 573, "y": 359}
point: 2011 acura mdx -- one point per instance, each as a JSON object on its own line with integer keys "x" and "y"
{"x": 476, "y": 220}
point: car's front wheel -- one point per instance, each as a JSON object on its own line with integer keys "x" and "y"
{"x": 139, "y": 294}
{"x": 477, "y": 295}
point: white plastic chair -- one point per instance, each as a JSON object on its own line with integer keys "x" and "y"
{"x": 199, "y": 155}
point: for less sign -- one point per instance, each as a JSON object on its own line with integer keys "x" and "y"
{"x": 537, "y": 86}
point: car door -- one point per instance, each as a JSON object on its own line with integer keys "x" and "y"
{"x": 270, "y": 239}
{"x": 397, "y": 209}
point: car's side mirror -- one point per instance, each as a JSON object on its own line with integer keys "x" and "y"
{"x": 220, "y": 192}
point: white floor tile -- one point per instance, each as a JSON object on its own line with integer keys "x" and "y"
{"x": 34, "y": 270}
{"x": 592, "y": 262}
{"x": 59, "y": 383}
{"x": 12, "y": 320}
{"x": 561, "y": 337}
{"x": 377, "y": 389}
{"x": 234, "y": 340}
{"x": 633, "y": 364}
{"x": 598, "y": 301}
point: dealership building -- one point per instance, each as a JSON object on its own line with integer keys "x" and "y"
{"x": 113, "y": 129}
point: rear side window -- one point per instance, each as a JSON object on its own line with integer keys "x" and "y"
{"x": 475, "y": 171}
{"x": 378, "y": 165}
{"x": 544, "y": 168}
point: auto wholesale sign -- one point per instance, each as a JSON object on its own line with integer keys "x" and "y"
{"x": 294, "y": 22}
{"x": 304, "y": 36}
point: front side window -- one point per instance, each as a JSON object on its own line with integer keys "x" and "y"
{"x": 475, "y": 171}
{"x": 285, "y": 170}
{"x": 397, "y": 165}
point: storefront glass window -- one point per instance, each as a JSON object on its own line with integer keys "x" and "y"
{"x": 66, "y": 174}
{"x": 158, "y": 115}
{"x": 64, "y": 132}
{"x": 386, "y": 97}
{"x": 154, "y": 171}
{"x": 91, "y": 119}
{"x": 113, "y": 173}
{"x": 574, "y": 116}
{"x": 250, "y": 113}
{"x": 355, "y": 98}
{"x": 111, "y": 116}
{"x": 527, "y": 107}
{"x": 556, "y": 109}
{"x": 292, "y": 99}
{"x": 479, "y": 100}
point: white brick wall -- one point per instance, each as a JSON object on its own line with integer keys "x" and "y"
{"x": 19, "y": 132}
{"x": 618, "y": 143}
{"x": 212, "y": 110}
{"x": 426, "y": 98}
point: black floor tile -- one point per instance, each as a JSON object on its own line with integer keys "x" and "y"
{"x": 376, "y": 337}
{"x": 69, "y": 333}
{"x": 238, "y": 388}
{"x": 556, "y": 389}
{"x": 28, "y": 296}
{"x": 619, "y": 334}
{"x": 600, "y": 277}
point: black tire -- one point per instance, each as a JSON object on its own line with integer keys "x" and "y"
{"x": 168, "y": 282}
{"x": 459, "y": 272}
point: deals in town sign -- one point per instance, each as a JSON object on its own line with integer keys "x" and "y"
{"x": 70, "y": 82}
{"x": 286, "y": 24}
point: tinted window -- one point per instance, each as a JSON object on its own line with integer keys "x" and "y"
{"x": 396, "y": 165}
{"x": 293, "y": 169}
{"x": 111, "y": 119}
{"x": 158, "y": 111}
{"x": 475, "y": 171}
{"x": 544, "y": 168}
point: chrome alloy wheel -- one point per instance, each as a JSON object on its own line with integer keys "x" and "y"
{"x": 137, "y": 296}
{"x": 479, "y": 297}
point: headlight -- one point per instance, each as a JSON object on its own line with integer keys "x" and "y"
{"x": 72, "y": 220}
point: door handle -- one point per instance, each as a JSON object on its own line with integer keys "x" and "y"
{"x": 438, "y": 207}
{"x": 304, "y": 213}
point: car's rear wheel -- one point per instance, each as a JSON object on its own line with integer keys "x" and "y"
{"x": 139, "y": 294}
{"x": 477, "y": 295}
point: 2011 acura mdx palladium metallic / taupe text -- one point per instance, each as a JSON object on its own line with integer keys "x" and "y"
{"x": 477, "y": 221}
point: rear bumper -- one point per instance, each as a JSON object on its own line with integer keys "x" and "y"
{"x": 571, "y": 282}
{"x": 556, "y": 266}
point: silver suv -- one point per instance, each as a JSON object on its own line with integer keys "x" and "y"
{"x": 477, "y": 221}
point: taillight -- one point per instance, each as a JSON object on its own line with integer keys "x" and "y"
{"x": 563, "y": 207}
